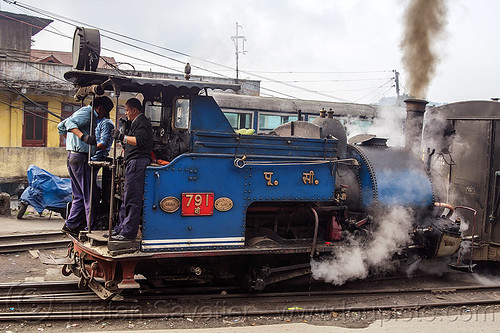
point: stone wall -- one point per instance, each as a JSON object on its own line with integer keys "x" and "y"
{"x": 14, "y": 162}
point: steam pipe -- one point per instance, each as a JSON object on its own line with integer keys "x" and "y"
{"x": 415, "y": 109}
{"x": 316, "y": 226}
{"x": 445, "y": 205}
{"x": 473, "y": 231}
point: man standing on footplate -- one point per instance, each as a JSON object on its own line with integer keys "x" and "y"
{"x": 138, "y": 144}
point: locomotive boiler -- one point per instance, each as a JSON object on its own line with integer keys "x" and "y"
{"x": 249, "y": 209}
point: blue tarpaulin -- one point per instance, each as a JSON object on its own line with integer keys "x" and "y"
{"x": 46, "y": 190}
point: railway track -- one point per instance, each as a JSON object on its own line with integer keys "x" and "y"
{"x": 71, "y": 304}
{"x": 24, "y": 242}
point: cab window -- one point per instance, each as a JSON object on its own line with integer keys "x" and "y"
{"x": 181, "y": 113}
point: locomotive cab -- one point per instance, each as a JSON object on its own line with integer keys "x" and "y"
{"x": 170, "y": 120}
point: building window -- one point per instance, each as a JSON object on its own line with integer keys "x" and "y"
{"x": 35, "y": 125}
{"x": 67, "y": 110}
{"x": 239, "y": 120}
{"x": 268, "y": 122}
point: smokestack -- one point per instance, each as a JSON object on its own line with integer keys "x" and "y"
{"x": 415, "y": 109}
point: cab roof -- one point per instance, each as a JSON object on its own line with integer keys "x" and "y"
{"x": 142, "y": 84}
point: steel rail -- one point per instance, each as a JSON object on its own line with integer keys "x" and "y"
{"x": 7, "y": 238}
{"x": 24, "y": 242}
{"x": 308, "y": 300}
{"x": 45, "y": 284}
{"x": 136, "y": 314}
{"x": 153, "y": 293}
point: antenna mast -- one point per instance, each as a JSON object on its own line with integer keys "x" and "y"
{"x": 236, "y": 40}
{"x": 396, "y": 79}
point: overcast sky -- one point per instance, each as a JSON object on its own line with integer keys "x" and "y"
{"x": 342, "y": 49}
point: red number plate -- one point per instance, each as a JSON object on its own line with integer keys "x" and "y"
{"x": 197, "y": 204}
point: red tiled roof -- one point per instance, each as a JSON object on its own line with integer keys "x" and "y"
{"x": 66, "y": 58}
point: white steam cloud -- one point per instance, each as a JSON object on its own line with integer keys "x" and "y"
{"x": 388, "y": 124}
{"x": 356, "y": 260}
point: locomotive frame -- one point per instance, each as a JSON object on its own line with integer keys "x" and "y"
{"x": 264, "y": 205}
{"x": 250, "y": 209}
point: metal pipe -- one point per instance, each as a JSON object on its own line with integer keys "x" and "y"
{"x": 113, "y": 167}
{"x": 473, "y": 231}
{"x": 445, "y": 205}
{"x": 91, "y": 201}
{"x": 316, "y": 226}
{"x": 82, "y": 92}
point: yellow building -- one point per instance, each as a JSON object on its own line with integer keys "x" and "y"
{"x": 34, "y": 97}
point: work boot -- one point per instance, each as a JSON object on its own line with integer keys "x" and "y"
{"x": 72, "y": 232}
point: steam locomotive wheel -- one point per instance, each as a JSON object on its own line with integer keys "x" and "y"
{"x": 360, "y": 234}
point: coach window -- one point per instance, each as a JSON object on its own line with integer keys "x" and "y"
{"x": 362, "y": 124}
{"x": 239, "y": 120}
{"x": 35, "y": 125}
{"x": 268, "y": 122}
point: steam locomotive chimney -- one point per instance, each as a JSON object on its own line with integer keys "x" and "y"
{"x": 415, "y": 109}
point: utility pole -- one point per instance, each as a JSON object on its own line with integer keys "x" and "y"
{"x": 396, "y": 79}
{"x": 236, "y": 40}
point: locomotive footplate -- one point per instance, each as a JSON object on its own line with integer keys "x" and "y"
{"x": 99, "y": 237}
{"x": 292, "y": 246}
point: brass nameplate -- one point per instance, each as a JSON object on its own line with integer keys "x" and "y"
{"x": 170, "y": 204}
{"x": 223, "y": 204}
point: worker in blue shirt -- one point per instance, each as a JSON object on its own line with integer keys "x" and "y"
{"x": 103, "y": 136}
{"x": 79, "y": 141}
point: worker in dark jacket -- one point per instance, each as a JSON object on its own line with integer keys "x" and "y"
{"x": 138, "y": 144}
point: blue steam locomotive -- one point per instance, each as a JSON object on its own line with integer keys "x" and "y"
{"x": 250, "y": 208}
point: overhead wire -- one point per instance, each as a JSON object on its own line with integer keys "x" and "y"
{"x": 349, "y": 80}
{"x": 28, "y": 111}
{"x": 52, "y": 92}
{"x": 320, "y": 72}
{"x": 31, "y": 65}
{"x": 374, "y": 90}
{"x": 20, "y": 93}
{"x": 64, "y": 20}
